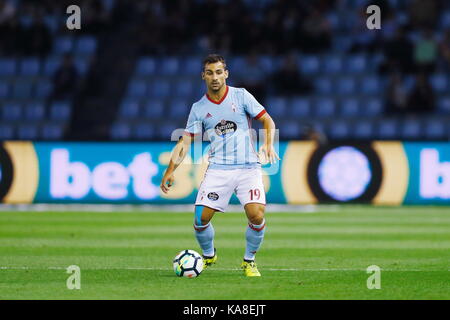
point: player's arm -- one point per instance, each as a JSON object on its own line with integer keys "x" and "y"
{"x": 178, "y": 155}
{"x": 267, "y": 150}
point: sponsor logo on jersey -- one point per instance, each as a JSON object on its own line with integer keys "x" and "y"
{"x": 225, "y": 127}
{"x": 213, "y": 196}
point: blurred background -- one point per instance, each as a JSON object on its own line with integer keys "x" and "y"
{"x": 133, "y": 70}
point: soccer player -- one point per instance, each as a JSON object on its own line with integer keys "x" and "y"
{"x": 234, "y": 165}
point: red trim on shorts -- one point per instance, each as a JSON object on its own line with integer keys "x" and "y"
{"x": 220, "y": 101}
{"x": 259, "y": 115}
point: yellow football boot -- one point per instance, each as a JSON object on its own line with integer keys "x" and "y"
{"x": 208, "y": 261}
{"x": 250, "y": 269}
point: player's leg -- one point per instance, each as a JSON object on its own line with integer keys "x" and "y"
{"x": 250, "y": 192}
{"x": 213, "y": 195}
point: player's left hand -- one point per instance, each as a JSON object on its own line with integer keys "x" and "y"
{"x": 267, "y": 154}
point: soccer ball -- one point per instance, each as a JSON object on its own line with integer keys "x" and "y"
{"x": 188, "y": 263}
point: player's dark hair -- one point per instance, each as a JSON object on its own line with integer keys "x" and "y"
{"x": 213, "y": 58}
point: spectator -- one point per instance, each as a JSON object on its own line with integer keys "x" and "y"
{"x": 38, "y": 39}
{"x": 316, "y": 32}
{"x": 398, "y": 54}
{"x": 422, "y": 97}
{"x": 7, "y": 11}
{"x": 65, "y": 79}
{"x": 444, "y": 48}
{"x": 13, "y": 38}
{"x": 288, "y": 80}
{"x": 397, "y": 95}
{"x": 426, "y": 52}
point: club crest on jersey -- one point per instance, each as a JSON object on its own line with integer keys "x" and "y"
{"x": 208, "y": 115}
{"x": 225, "y": 127}
{"x": 213, "y": 196}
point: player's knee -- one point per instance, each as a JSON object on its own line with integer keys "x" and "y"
{"x": 257, "y": 217}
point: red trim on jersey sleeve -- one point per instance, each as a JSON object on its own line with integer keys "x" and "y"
{"x": 220, "y": 101}
{"x": 190, "y": 134}
{"x": 259, "y": 115}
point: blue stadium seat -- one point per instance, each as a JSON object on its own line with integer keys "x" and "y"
{"x": 60, "y": 110}
{"x": 236, "y": 65}
{"x": 52, "y": 131}
{"x": 445, "y": 20}
{"x": 129, "y": 109}
{"x": 159, "y": 88}
{"x": 363, "y": 130}
{"x": 63, "y": 44}
{"x": 6, "y": 131}
{"x": 183, "y": 88}
{"x": 154, "y": 109}
{"x": 372, "y": 107}
{"x": 27, "y": 132}
{"x": 350, "y": 107}
{"x": 356, "y": 64}
{"x": 339, "y": 130}
{"x": 86, "y": 45}
{"x": 82, "y": 64}
{"x": 346, "y": 85}
{"x": 169, "y": 66}
{"x": 371, "y": 85}
{"x": 435, "y": 129}
{"x": 323, "y": 85}
{"x": 120, "y": 131}
{"x": 137, "y": 89}
{"x": 166, "y": 129}
{"x": 276, "y": 107}
{"x": 4, "y": 89}
{"x": 411, "y": 129}
{"x": 22, "y": 89}
{"x": 34, "y": 111}
{"x": 325, "y": 108}
{"x": 178, "y": 109}
{"x": 52, "y": 22}
{"x": 144, "y": 131}
{"x": 309, "y": 65}
{"x": 7, "y": 67}
{"x": 332, "y": 64}
{"x": 192, "y": 66}
{"x": 299, "y": 108}
{"x": 11, "y": 111}
{"x": 268, "y": 63}
{"x": 43, "y": 89}
{"x": 146, "y": 66}
{"x": 439, "y": 82}
{"x": 290, "y": 130}
{"x": 29, "y": 67}
{"x": 388, "y": 129}
{"x": 444, "y": 105}
{"x": 50, "y": 66}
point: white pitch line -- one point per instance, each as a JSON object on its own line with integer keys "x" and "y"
{"x": 218, "y": 269}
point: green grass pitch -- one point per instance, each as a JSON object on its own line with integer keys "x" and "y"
{"x": 317, "y": 255}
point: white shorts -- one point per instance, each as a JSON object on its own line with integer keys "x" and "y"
{"x": 218, "y": 185}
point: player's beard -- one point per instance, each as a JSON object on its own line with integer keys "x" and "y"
{"x": 213, "y": 89}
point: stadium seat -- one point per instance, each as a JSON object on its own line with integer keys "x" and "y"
{"x": 356, "y": 64}
{"x": 63, "y": 44}
{"x": 363, "y": 130}
{"x": 43, "y": 89}
{"x": 129, "y": 109}
{"x": 325, "y": 108}
{"x": 268, "y": 63}
{"x": 411, "y": 129}
{"x": 183, "y": 89}
{"x": 145, "y": 66}
{"x": 276, "y": 107}
{"x": 120, "y": 131}
{"x": 309, "y": 65}
{"x": 50, "y": 66}
{"x": 323, "y": 85}
{"x": 144, "y": 131}
{"x": 370, "y": 85}
{"x": 387, "y": 129}
{"x": 169, "y": 66}
{"x": 11, "y": 111}
{"x": 22, "y": 89}
{"x": 82, "y": 64}
{"x": 60, "y": 110}
{"x": 346, "y": 85}
{"x": 6, "y": 131}
{"x": 86, "y": 45}
{"x": 350, "y": 107}
{"x": 29, "y": 67}
{"x": 167, "y": 129}
{"x": 299, "y": 108}
{"x": 434, "y": 129}
{"x": 290, "y": 130}
{"x": 4, "y": 89}
{"x": 159, "y": 88}
{"x": 193, "y": 66}
{"x": 339, "y": 130}
{"x": 372, "y": 107}
{"x": 178, "y": 109}
{"x": 439, "y": 82}
{"x": 154, "y": 109}
{"x": 7, "y": 67}
{"x": 52, "y": 22}
{"x": 444, "y": 105}
{"x": 332, "y": 64}
{"x": 27, "y": 132}
{"x": 52, "y": 131}
{"x": 137, "y": 89}
{"x": 34, "y": 111}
